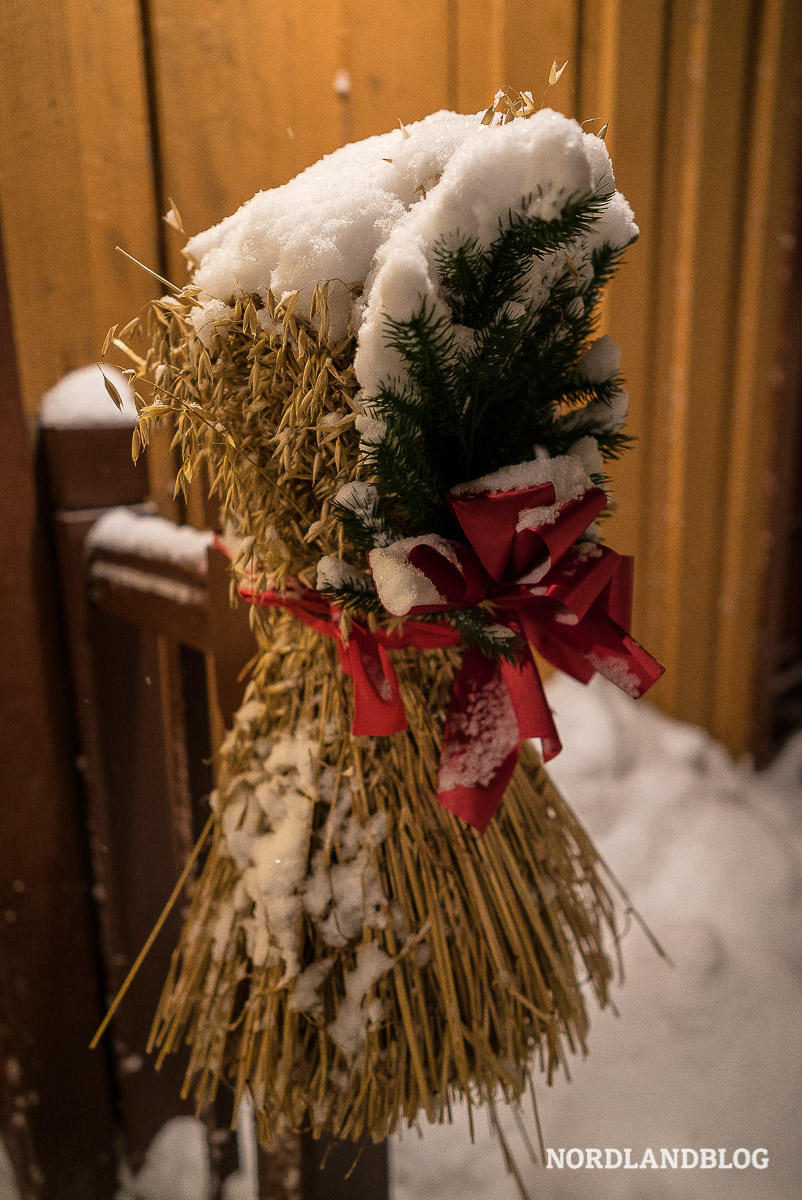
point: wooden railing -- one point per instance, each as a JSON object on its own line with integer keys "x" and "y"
{"x": 157, "y": 658}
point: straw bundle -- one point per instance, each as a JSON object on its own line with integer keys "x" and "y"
{"x": 475, "y": 947}
{"x": 470, "y": 954}
{"x": 354, "y": 955}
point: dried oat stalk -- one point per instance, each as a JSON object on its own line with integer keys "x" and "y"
{"x": 353, "y": 954}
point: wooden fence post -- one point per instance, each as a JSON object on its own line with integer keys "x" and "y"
{"x": 56, "y": 1109}
{"x": 157, "y": 662}
{"x": 138, "y": 808}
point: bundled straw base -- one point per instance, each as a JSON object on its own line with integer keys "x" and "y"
{"x": 483, "y": 946}
{"x": 354, "y": 955}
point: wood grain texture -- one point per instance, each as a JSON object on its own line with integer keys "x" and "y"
{"x": 751, "y": 502}
{"x": 75, "y": 178}
{"x": 397, "y": 54}
{"x": 685, "y": 477}
{"x": 243, "y": 104}
{"x": 500, "y": 43}
{"x": 245, "y": 94}
{"x": 622, "y": 86}
{"x": 50, "y": 998}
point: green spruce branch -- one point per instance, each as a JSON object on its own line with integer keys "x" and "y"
{"x": 467, "y": 405}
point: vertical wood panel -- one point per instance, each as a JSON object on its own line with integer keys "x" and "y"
{"x": 624, "y": 87}
{"x": 693, "y": 491}
{"x": 626, "y": 90}
{"x": 750, "y": 494}
{"x": 49, "y": 990}
{"x": 502, "y": 43}
{"x": 478, "y": 52}
{"x": 75, "y": 178}
{"x": 246, "y": 99}
{"x": 398, "y": 58}
{"x": 534, "y": 36}
{"x": 699, "y": 272}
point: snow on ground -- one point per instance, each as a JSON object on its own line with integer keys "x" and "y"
{"x": 706, "y": 1054}
{"x": 176, "y": 1166}
{"x": 8, "y": 1188}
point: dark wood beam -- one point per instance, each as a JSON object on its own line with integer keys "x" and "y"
{"x": 56, "y": 1110}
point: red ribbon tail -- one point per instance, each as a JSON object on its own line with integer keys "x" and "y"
{"x": 494, "y": 707}
{"x": 616, "y": 655}
{"x": 532, "y": 710}
{"x": 555, "y": 650}
{"x": 602, "y": 645}
{"x": 647, "y": 669}
{"x": 481, "y": 742}
{"x": 477, "y": 804}
{"x": 378, "y": 707}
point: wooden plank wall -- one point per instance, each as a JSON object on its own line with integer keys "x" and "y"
{"x": 111, "y": 107}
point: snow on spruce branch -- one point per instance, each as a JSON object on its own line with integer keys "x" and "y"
{"x": 475, "y": 349}
{"x": 469, "y": 260}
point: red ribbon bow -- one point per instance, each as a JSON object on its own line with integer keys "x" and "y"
{"x": 572, "y": 602}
